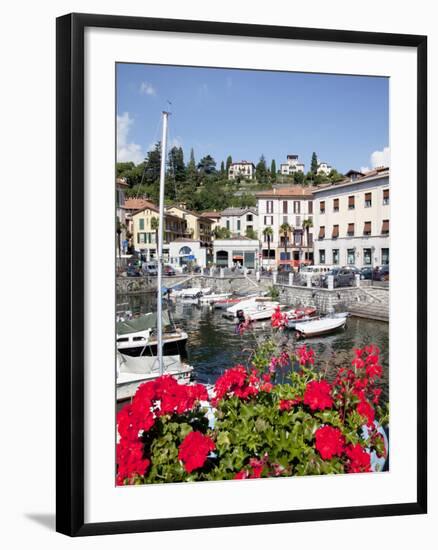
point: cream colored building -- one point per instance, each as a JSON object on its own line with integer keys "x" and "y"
{"x": 238, "y": 251}
{"x": 291, "y": 166}
{"x": 292, "y": 205}
{"x": 145, "y": 234}
{"x": 243, "y": 170}
{"x": 239, "y": 221}
{"x": 351, "y": 221}
{"x": 199, "y": 228}
{"x": 324, "y": 168}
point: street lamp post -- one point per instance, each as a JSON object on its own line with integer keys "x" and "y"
{"x": 372, "y": 265}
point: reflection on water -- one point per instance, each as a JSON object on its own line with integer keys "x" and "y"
{"x": 214, "y": 346}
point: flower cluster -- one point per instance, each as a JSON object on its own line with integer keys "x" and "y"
{"x": 163, "y": 396}
{"x": 237, "y": 382}
{"x": 305, "y": 356}
{"x": 358, "y": 384}
{"x": 262, "y": 427}
{"x": 194, "y": 450}
{"x": 329, "y": 442}
{"x": 317, "y": 395}
{"x": 278, "y": 319}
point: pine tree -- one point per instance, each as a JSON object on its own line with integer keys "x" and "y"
{"x": 222, "y": 168}
{"x": 261, "y": 171}
{"x": 273, "y": 171}
{"x": 314, "y": 163}
{"x": 153, "y": 164}
{"x": 229, "y": 163}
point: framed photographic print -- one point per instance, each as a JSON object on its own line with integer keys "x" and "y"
{"x": 232, "y": 345}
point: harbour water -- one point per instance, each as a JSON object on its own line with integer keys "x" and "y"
{"x": 213, "y": 345}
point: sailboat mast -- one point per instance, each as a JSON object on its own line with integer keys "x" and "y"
{"x": 161, "y": 229}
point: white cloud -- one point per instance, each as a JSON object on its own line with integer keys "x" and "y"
{"x": 378, "y": 158}
{"x": 381, "y": 158}
{"x": 146, "y": 88}
{"x": 127, "y": 151}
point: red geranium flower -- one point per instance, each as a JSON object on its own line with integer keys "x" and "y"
{"x": 305, "y": 355}
{"x": 317, "y": 395}
{"x": 358, "y": 459}
{"x": 130, "y": 461}
{"x": 194, "y": 450}
{"x": 365, "y": 409}
{"x": 287, "y": 404}
{"x": 329, "y": 442}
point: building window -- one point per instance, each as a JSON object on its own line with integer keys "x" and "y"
{"x": 310, "y": 207}
{"x": 385, "y": 227}
{"x": 249, "y": 217}
{"x": 228, "y": 224}
{"x": 350, "y": 230}
{"x": 350, "y": 256}
{"x": 322, "y": 207}
{"x": 285, "y": 220}
{"x": 367, "y": 200}
{"x": 386, "y": 196}
{"x": 270, "y": 207}
{"x": 367, "y": 228}
{"x": 238, "y": 225}
{"x": 141, "y": 224}
{"x": 351, "y": 202}
{"x": 335, "y": 205}
{"x": 270, "y": 256}
{"x": 335, "y": 232}
{"x": 335, "y": 256}
{"x": 298, "y": 221}
{"x": 321, "y": 234}
{"x": 322, "y": 256}
{"x": 284, "y": 207}
{"x": 385, "y": 256}
{"x": 367, "y": 256}
{"x": 269, "y": 220}
{"x": 297, "y": 207}
{"x": 141, "y": 238}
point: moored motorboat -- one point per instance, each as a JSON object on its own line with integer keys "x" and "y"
{"x": 213, "y": 298}
{"x": 318, "y": 327}
{"x": 137, "y": 337}
{"x": 249, "y": 304}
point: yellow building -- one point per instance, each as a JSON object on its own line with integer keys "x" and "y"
{"x": 199, "y": 228}
{"x": 145, "y": 231}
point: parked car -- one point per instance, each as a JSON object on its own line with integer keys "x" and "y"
{"x": 341, "y": 277}
{"x": 381, "y": 273}
{"x": 366, "y": 273}
{"x": 169, "y": 271}
{"x": 133, "y": 271}
{"x": 150, "y": 268}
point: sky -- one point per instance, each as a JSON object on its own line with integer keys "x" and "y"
{"x": 247, "y": 113}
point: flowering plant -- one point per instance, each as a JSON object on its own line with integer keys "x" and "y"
{"x": 265, "y": 425}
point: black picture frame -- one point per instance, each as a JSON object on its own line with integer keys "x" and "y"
{"x": 70, "y": 273}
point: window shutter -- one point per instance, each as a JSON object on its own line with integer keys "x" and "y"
{"x": 321, "y": 234}
{"x": 335, "y": 232}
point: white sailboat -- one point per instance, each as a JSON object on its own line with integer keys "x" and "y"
{"x": 131, "y": 370}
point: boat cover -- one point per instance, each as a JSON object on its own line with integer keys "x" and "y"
{"x": 145, "y": 322}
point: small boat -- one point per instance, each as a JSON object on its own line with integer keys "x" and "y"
{"x": 192, "y": 293}
{"x": 300, "y": 315}
{"x": 249, "y": 304}
{"x": 213, "y": 298}
{"x": 261, "y": 312}
{"x": 133, "y": 371}
{"x": 137, "y": 337}
{"x": 228, "y": 302}
{"x": 317, "y": 327}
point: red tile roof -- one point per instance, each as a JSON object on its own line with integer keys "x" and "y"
{"x": 139, "y": 204}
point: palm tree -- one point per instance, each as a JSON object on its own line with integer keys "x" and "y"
{"x": 285, "y": 228}
{"x": 268, "y": 233}
{"x": 307, "y": 224}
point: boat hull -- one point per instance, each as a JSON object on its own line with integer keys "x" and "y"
{"x": 175, "y": 346}
{"x": 311, "y": 329}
